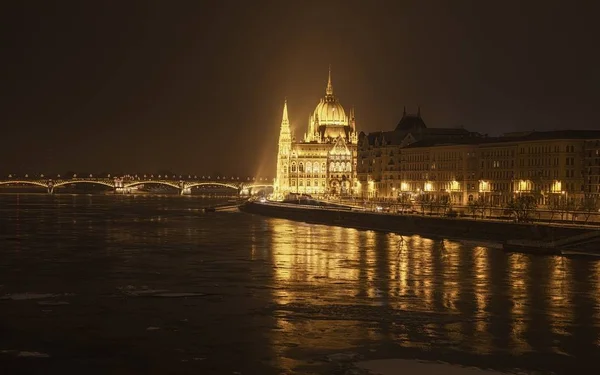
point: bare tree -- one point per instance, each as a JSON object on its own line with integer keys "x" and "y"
{"x": 588, "y": 206}
{"x": 522, "y": 208}
{"x": 473, "y": 207}
{"x": 554, "y": 208}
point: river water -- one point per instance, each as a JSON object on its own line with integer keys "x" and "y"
{"x": 152, "y": 285}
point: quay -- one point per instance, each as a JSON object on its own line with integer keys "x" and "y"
{"x": 521, "y": 237}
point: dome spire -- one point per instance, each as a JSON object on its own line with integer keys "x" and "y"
{"x": 329, "y": 90}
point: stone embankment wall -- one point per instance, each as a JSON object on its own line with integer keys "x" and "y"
{"x": 465, "y": 228}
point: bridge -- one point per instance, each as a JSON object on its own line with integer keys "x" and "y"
{"x": 125, "y": 184}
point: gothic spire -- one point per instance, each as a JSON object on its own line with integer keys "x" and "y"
{"x": 329, "y": 90}
{"x": 284, "y": 119}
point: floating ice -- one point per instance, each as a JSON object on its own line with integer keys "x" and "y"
{"x": 19, "y": 353}
{"x": 147, "y": 292}
{"x": 343, "y": 357}
{"x": 26, "y": 296}
{"x": 33, "y": 354}
{"x": 131, "y": 290}
{"x": 53, "y": 303}
{"x": 414, "y": 367}
{"x": 178, "y": 295}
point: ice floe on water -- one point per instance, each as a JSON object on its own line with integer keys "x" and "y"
{"x": 25, "y": 354}
{"x": 415, "y": 367}
{"x": 53, "y": 303}
{"x": 178, "y": 295}
{"x": 29, "y": 296}
{"x": 144, "y": 291}
{"x": 140, "y": 293}
{"x": 343, "y": 357}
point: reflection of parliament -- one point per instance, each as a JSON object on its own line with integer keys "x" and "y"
{"x": 416, "y": 160}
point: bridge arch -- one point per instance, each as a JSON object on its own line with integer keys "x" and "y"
{"x": 194, "y": 184}
{"x": 154, "y": 182}
{"x": 70, "y": 182}
{"x": 35, "y": 183}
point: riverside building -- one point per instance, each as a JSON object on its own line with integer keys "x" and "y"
{"x": 416, "y": 162}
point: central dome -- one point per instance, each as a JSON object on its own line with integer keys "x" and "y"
{"x": 329, "y": 115}
{"x": 329, "y": 111}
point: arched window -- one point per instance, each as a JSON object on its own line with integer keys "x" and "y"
{"x": 316, "y": 167}
{"x": 293, "y": 167}
{"x": 331, "y": 167}
{"x": 301, "y": 167}
{"x": 348, "y": 167}
{"x": 338, "y": 167}
{"x": 308, "y": 167}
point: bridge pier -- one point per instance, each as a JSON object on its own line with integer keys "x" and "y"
{"x": 50, "y": 190}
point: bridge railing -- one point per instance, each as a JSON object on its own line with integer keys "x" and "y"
{"x": 41, "y": 176}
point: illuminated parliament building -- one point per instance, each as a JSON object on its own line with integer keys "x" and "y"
{"x": 323, "y": 162}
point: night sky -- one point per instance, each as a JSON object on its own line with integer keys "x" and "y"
{"x": 198, "y": 87}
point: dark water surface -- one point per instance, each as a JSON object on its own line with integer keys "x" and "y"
{"x": 151, "y": 285}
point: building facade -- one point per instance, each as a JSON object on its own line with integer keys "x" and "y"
{"x": 592, "y": 167}
{"x": 324, "y": 161}
{"x": 417, "y": 162}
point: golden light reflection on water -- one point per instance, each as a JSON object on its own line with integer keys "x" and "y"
{"x": 596, "y": 282}
{"x": 518, "y": 274}
{"x": 315, "y": 257}
{"x": 481, "y": 286}
{"x": 450, "y": 262}
{"x": 559, "y": 295}
{"x": 486, "y": 295}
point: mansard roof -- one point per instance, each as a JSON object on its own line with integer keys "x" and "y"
{"x": 411, "y": 122}
{"x": 528, "y": 136}
{"x": 414, "y": 125}
{"x": 553, "y": 134}
{"x": 396, "y": 137}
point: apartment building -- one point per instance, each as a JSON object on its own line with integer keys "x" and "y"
{"x": 416, "y": 161}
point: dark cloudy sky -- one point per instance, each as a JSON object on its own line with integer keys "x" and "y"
{"x": 198, "y": 86}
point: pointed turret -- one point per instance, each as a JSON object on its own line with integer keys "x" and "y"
{"x": 281, "y": 184}
{"x": 284, "y": 119}
{"x": 329, "y": 90}
{"x": 284, "y": 132}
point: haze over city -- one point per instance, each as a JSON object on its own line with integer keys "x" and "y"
{"x": 198, "y": 87}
